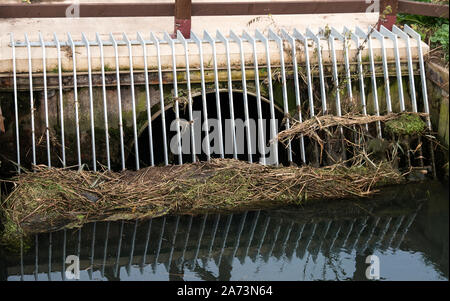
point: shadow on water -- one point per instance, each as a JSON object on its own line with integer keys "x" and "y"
{"x": 406, "y": 227}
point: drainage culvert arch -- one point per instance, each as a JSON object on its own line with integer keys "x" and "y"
{"x": 222, "y": 144}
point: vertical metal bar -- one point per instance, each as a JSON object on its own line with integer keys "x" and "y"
{"x": 305, "y": 249}
{"x": 279, "y": 41}
{"x": 30, "y": 78}
{"x": 50, "y": 256}
{"x": 405, "y": 230}
{"x": 92, "y": 250}
{"x": 161, "y": 96}
{"x": 133, "y": 99}
{"x": 266, "y": 226}
{"x": 299, "y": 237}
{"x": 363, "y": 226}
{"x": 216, "y": 226}
{"x": 261, "y": 144}
{"x": 238, "y": 41}
{"x": 393, "y": 37}
{"x": 383, "y": 232}
{"x": 116, "y": 268}
{"x": 169, "y": 40}
{"x": 396, "y": 227}
{"x": 412, "y": 87}
{"x": 91, "y": 99}
{"x": 336, "y": 235}
{"x": 316, "y": 40}
{"x": 238, "y": 238}
{"x": 133, "y": 242}
{"x": 277, "y": 231}
{"x": 338, "y": 90}
{"x": 380, "y": 37}
{"x": 335, "y": 75}
{"x": 119, "y": 99}
{"x": 288, "y": 234}
{"x": 311, "y": 236}
{"x": 147, "y": 98}
{"x": 147, "y": 240}
{"x": 205, "y": 107}
{"x": 345, "y": 39}
{"x": 208, "y": 38}
{"x": 44, "y": 73}
{"x": 417, "y": 37}
{"x": 181, "y": 38}
{"x": 75, "y": 93}
{"x": 16, "y": 109}
{"x": 230, "y": 91}
{"x": 362, "y": 94}
{"x": 105, "y": 103}
{"x": 227, "y": 229}
{"x": 200, "y": 236}
{"x": 105, "y": 249}
{"x": 363, "y": 35}
{"x": 172, "y": 247}
{"x": 252, "y": 231}
{"x": 187, "y": 240}
{"x": 369, "y": 237}
{"x": 291, "y": 41}
{"x": 273, "y": 126}
{"x": 349, "y": 232}
{"x": 304, "y": 39}
{"x": 61, "y": 103}
{"x": 324, "y": 236}
{"x": 160, "y": 240}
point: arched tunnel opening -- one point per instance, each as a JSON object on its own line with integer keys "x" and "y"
{"x": 200, "y": 149}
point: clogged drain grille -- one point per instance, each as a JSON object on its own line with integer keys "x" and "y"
{"x": 125, "y": 103}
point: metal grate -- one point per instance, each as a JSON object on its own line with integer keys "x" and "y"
{"x": 290, "y": 46}
{"x": 186, "y": 241}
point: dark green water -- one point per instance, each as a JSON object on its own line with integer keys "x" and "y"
{"x": 406, "y": 227}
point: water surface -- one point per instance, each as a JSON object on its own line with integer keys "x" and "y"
{"x": 406, "y": 227}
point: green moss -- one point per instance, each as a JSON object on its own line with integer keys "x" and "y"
{"x": 109, "y": 68}
{"x": 12, "y": 238}
{"x": 406, "y": 124}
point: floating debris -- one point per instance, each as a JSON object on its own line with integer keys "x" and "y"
{"x": 55, "y": 198}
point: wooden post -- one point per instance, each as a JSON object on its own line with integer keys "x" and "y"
{"x": 183, "y": 17}
{"x": 388, "y": 13}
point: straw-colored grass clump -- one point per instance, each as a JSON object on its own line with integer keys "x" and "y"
{"x": 53, "y": 198}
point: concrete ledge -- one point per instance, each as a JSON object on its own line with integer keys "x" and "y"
{"x": 160, "y": 24}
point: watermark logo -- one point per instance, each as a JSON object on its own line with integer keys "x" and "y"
{"x": 73, "y": 270}
{"x": 373, "y": 270}
{"x": 73, "y": 10}
{"x": 374, "y": 6}
{"x": 229, "y": 139}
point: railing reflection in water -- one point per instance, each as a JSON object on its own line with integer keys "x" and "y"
{"x": 208, "y": 246}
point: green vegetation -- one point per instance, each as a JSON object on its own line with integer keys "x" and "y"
{"x": 51, "y": 199}
{"x": 406, "y": 124}
{"x": 434, "y": 30}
